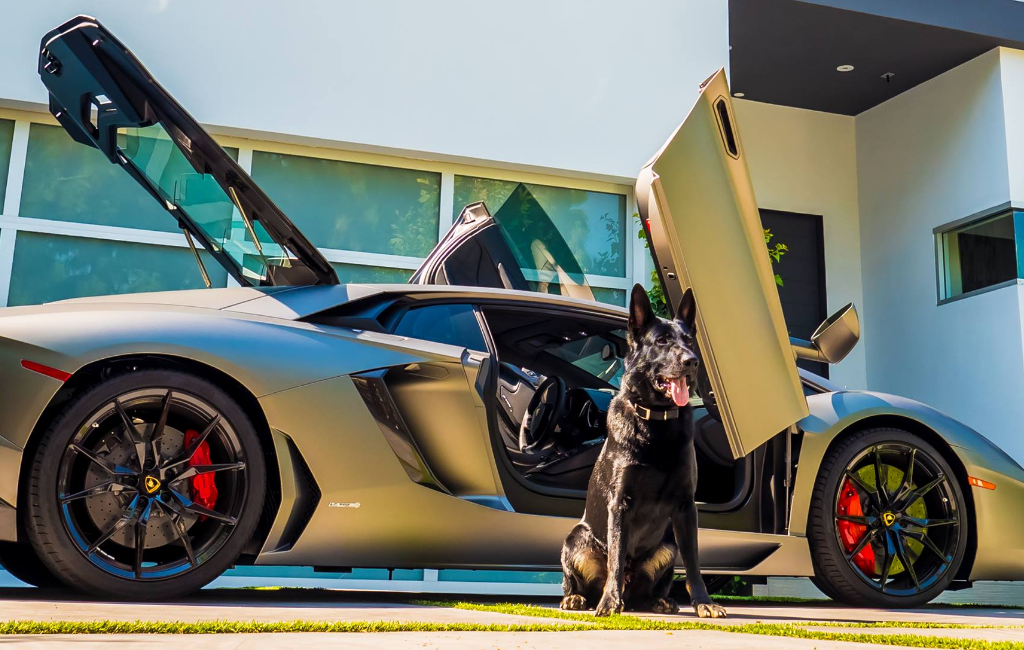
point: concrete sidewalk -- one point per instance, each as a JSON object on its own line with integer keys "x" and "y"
{"x": 690, "y": 640}
{"x": 346, "y": 606}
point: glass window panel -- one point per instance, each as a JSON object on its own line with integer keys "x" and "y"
{"x": 68, "y": 181}
{"x": 592, "y": 223}
{"x": 979, "y": 255}
{"x": 597, "y": 355}
{"x": 56, "y": 267}
{"x": 352, "y": 206}
{"x": 6, "y": 137}
{"x": 211, "y": 208}
{"x": 361, "y": 274}
{"x": 610, "y": 296}
{"x": 448, "y": 324}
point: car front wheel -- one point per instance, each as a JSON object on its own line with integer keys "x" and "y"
{"x": 147, "y": 486}
{"x": 888, "y": 522}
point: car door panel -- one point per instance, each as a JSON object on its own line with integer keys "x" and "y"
{"x": 697, "y": 202}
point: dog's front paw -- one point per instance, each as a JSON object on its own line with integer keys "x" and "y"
{"x": 665, "y": 606}
{"x": 574, "y": 602}
{"x": 709, "y": 610}
{"x": 610, "y": 604}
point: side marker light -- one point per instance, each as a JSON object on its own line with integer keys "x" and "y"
{"x": 977, "y": 482}
{"x": 59, "y": 375}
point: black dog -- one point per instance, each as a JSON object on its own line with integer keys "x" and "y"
{"x": 640, "y": 503}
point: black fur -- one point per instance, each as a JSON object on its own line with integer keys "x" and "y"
{"x": 640, "y": 502}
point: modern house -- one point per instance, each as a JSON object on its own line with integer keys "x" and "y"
{"x": 885, "y": 141}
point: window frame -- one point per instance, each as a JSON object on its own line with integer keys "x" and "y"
{"x": 942, "y": 265}
{"x": 11, "y": 221}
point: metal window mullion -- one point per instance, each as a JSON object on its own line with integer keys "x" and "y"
{"x": 93, "y": 231}
{"x": 447, "y": 215}
{"x": 238, "y": 234}
{"x": 12, "y": 205}
{"x": 638, "y": 265}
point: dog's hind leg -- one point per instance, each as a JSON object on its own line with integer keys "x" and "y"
{"x": 584, "y": 569}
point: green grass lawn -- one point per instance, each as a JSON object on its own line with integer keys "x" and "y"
{"x": 550, "y": 619}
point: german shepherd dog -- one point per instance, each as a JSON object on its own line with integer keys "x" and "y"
{"x": 640, "y": 502}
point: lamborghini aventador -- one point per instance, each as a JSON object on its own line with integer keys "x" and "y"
{"x": 148, "y": 442}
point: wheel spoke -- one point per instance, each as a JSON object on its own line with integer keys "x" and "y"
{"x": 178, "y": 524}
{"x": 141, "y": 524}
{"x": 856, "y": 519}
{"x": 161, "y": 424}
{"x": 920, "y": 492}
{"x": 908, "y": 477}
{"x": 883, "y": 493}
{"x": 865, "y": 538}
{"x": 901, "y": 551}
{"x": 930, "y": 523}
{"x": 99, "y": 488}
{"x": 203, "y": 511}
{"x": 199, "y": 470}
{"x": 925, "y": 539}
{"x": 203, "y": 435}
{"x": 128, "y": 517}
{"x": 873, "y": 493}
{"x": 136, "y": 437}
{"x": 111, "y": 468}
{"x": 887, "y": 561}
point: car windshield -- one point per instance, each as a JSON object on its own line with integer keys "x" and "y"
{"x": 244, "y": 242}
{"x": 597, "y": 355}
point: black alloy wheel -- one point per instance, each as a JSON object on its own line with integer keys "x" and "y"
{"x": 147, "y": 486}
{"x": 888, "y": 523}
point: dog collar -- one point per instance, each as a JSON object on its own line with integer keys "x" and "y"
{"x": 647, "y": 413}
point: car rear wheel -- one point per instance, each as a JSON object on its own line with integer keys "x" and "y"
{"x": 888, "y": 522}
{"x": 147, "y": 486}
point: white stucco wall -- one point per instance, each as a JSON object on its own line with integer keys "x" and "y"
{"x": 1011, "y": 72}
{"x": 592, "y": 86}
{"x": 805, "y": 161}
{"x": 932, "y": 155}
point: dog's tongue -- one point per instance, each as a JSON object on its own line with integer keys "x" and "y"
{"x": 680, "y": 391}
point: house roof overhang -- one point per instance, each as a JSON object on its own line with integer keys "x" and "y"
{"x": 787, "y": 51}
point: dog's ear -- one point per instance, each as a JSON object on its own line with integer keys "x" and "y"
{"x": 640, "y": 313}
{"x": 687, "y": 312}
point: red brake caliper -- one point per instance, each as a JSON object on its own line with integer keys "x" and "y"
{"x": 850, "y": 533}
{"x": 204, "y": 489}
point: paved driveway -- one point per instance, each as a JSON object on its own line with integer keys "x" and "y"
{"x": 1001, "y": 624}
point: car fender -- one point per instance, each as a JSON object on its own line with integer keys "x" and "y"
{"x": 832, "y": 414}
{"x": 265, "y": 355}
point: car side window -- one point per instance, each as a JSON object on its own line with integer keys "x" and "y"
{"x": 449, "y": 324}
{"x": 597, "y": 355}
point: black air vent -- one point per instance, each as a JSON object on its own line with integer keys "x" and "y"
{"x": 727, "y": 131}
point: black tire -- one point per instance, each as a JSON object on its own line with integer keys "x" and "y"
{"x": 21, "y": 561}
{"x": 190, "y": 548}
{"x": 890, "y": 514}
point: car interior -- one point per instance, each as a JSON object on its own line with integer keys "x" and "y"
{"x": 557, "y": 376}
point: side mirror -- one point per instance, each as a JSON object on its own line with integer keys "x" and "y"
{"x": 833, "y": 339}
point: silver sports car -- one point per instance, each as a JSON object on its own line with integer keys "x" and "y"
{"x": 148, "y": 442}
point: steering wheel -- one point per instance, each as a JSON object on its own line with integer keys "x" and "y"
{"x": 544, "y": 412}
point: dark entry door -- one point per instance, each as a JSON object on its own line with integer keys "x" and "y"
{"x": 803, "y": 274}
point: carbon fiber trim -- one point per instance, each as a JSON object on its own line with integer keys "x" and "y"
{"x": 382, "y": 407}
